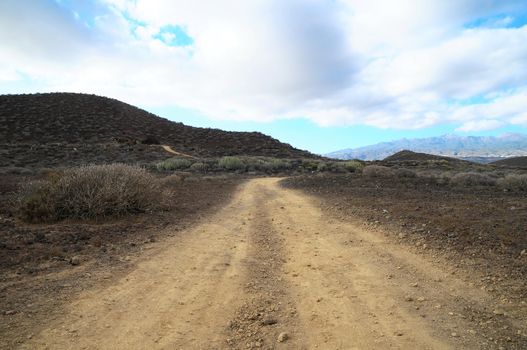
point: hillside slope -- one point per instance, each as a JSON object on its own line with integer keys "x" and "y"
{"x": 512, "y": 162}
{"x": 93, "y": 128}
{"x": 470, "y": 147}
{"x": 406, "y": 155}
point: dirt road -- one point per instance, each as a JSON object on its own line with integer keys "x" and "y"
{"x": 271, "y": 262}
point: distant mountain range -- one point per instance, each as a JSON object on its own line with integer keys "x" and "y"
{"x": 483, "y": 149}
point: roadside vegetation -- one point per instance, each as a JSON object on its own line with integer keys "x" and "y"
{"x": 95, "y": 191}
{"x": 88, "y": 192}
{"x": 263, "y": 165}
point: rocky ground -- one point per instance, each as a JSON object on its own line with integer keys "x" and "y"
{"x": 43, "y": 266}
{"x": 481, "y": 229}
{"x": 273, "y": 268}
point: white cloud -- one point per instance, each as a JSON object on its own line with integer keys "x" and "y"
{"x": 480, "y": 125}
{"x": 405, "y": 64}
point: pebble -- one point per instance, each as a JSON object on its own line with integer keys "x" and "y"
{"x": 498, "y": 312}
{"x": 282, "y": 337}
{"x": 76, "y": 260}
{"x": 269, "y": 321}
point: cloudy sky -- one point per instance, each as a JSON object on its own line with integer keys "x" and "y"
{"x": 322, "y": 75}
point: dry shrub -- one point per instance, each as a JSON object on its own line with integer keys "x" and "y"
{"x": 91, "y": 191}
{"x": 377, "y": 171}
{"x": 172, "y": 180}
{"x": 472, "y": 179}
{"x": 514, "y": 182}
{"x": 405, "y": 173}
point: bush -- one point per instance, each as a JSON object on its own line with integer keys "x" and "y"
{"x": 150, "y": 140}
{"x": 472, "y": 179}
{"x": 352, "y": 166}
{"x": 268, "y": 164}
{"x": 231, "y": 163}
{"x": 513, "y": 182}
{"x": 90, "y": 192}
{"x": 171, "y": 180}
{"x": 377, "y": 171}
{"x": 279, "y": 164}
{"x": 310, "y": 165}
{"x": 199, "y": 166}
{"x": 174, "y": 164}
{"x": 405, "y": 173}
{"x": 322, "y": 166}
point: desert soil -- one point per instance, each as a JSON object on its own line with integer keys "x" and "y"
{"x": 271, "y": 270}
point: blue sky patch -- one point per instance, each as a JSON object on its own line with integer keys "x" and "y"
{"x": 499, "y": 21}
{"x": 174, "y": 35}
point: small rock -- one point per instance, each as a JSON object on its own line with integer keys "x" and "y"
{"x": 76, "y": 260}
{"x": 421, "y": 299}
{"x": 282, "y": 337}
{"x": 269, "y": 321}
{"x": 10, "y": 312}
{"x": 454, "y": 334}
{"x": 415, "y": 284}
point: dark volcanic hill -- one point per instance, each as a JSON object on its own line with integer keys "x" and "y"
{"x": 520, "y": 162}
{"x": 406, "y": 155}
{"x": 91, "y": 128}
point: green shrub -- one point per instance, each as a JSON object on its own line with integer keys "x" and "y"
{"x": 231, "y": 163}
{"x": 472, "y": 179}
{"x": 352, "y": 166}
{"x": 309, "y": 164}
{"x": 199, "y": 166}
{"x": 322, "y": 166}
{"x": 377, "y": 171}
{"x": 90, "y": 192}
{"x": 174, "y": 164}
{"x": 514, "y": 182}
{"x": 268, "y": 164}
{"x": 279, "y": 164}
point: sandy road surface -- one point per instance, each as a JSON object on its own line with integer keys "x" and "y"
{"x": 272, "y": 262}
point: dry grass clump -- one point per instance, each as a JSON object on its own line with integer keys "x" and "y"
{"x": 377, "y": 171}
{"x": 472, "y": 179}
{"x": 514, "y": 182}
{"x": 91, "y": 191}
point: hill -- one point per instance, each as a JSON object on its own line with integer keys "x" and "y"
{"x": 467, "y": 147}
{"x": 512, "y": 162}
{"x": 66, "y": 128}
{"x": 405, "y": 155}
